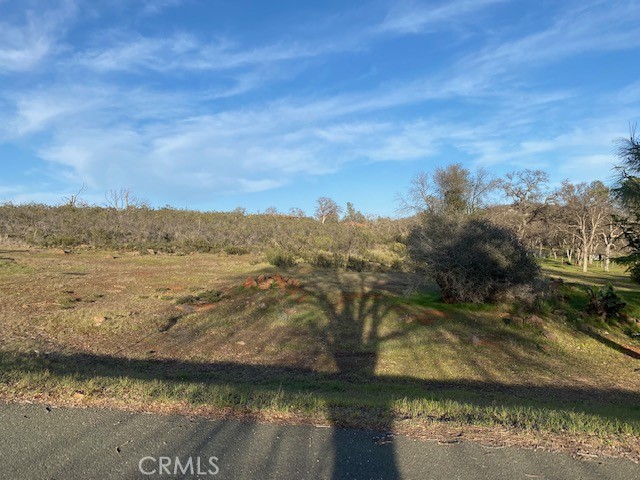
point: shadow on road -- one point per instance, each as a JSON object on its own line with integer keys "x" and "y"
{"x": 353, "y": 337}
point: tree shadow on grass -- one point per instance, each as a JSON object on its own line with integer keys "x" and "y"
{"x": 353, "y": 336}
{"x": 354, "y": 393}
{"x": 614, "y": 345}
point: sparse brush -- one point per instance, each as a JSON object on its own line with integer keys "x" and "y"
{"x": 236, "y": 250}
{"x": 328, "y": 260}
{"x": 280, "y": 258}
{"x": 356, "y": 263}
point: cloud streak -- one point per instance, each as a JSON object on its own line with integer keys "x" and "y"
{"x": 184, "y": 51}
{"x": 591, "y": 27}
{"x": 28, "y": 39}
{"x": 413, "y": 18}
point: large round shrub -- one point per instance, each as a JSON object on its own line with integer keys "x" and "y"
{"x": 472, "y": 260}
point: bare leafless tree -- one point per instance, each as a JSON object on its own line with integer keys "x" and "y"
{"x": 75, "y": 200}
{"x": 296, "y": 212}
{"x": 481, "y": 184}
{"x": 326, "y": 209}
{"x": 420, "y": 196}
{"x": 588, "y": 210}
{"x": 124, "y": 199}
{"x": 526, "y": 191}
{"x": 610, "y": 235}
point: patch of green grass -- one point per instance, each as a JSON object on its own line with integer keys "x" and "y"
{"x": 575, "y": 294}
{"x": 8, "y": 266}
{"x": 69, "y": 302}
{"x": 354, "y": 403}
{"x": 210, "y": 296}
{"x": 434, "y": 300}
{"x": 617, "y": 276}
{"x": 633, "y": 302}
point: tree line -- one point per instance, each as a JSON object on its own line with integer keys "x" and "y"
{"x": 577, "y": 222}
{"x": 133, "y": 225}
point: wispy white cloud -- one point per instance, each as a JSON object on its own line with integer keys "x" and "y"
{"x": 38, "y": 110}
{"x": 152, "y": 7}
{"x": 126, "y": 51}
{"x": 249, "y": 151}
{"x": 106, "y": 135}
{"x": 22, "y": 48}
{"x": 591, "y": 27}
{"x": 27, "y": 39}
{"x": 587, "y": 168}
{"x": 232, "y": 151}
{"x": 628, "y": 95}
{"x": 183, "y": 51}
{"x": 25, "y": 194}
{"x": 411, "y": 17}
{"x": 9, "y": 190}
{"x": 584, "y": 152}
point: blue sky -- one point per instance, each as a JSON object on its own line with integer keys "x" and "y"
{"x": 216, "y": 104}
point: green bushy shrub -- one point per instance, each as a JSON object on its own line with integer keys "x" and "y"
{"x": 280, "y": 258}
{"x": 472, "y": 260}
{"x": 327, "y": 260}
{"x": 356, "y": 263}
{"x": 210, "y": 296}
{"x": 604, "y": 302}
{"x": 199, "y": 245}
{"x": 236, "y": 250}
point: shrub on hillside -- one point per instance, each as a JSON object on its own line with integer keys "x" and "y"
{"x": 604, "y": 302}
{"x": 184, "y": 231}
{"x": 210, "y": 296}
{"x": 236, "y": 250}
{"x": 356, "y": 263}
{"x": 327, "y": 260}
{"x": 280, "y": 258}
{"x": 472, "y": 260}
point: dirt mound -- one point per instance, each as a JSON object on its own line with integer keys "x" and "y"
{"x": 264, "y": 282}
{"x": 250, "y": 282}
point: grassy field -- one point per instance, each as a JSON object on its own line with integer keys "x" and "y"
{"x": 617, "y": 276}
{"x": 181, "y": 334}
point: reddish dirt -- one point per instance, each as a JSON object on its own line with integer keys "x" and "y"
{"x": 426, "y": 316}
{"x": 250, "y": 282}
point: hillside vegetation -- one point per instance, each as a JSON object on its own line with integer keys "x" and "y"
{"x": 146, "y": 230}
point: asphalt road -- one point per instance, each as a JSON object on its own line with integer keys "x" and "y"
{"x": 101, "y": 444}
